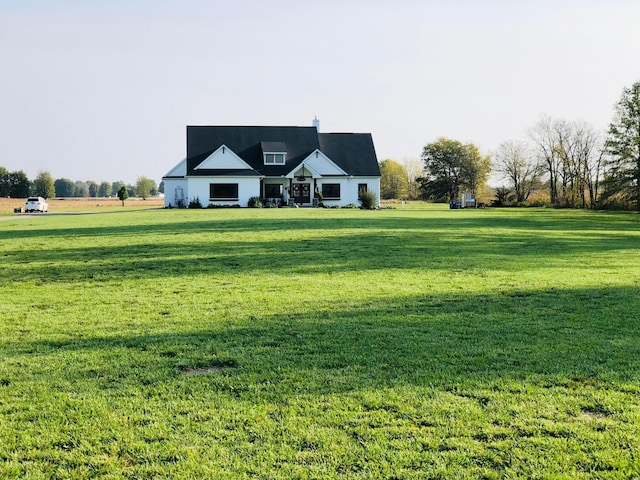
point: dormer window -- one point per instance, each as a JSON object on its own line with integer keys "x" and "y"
{"x": 274, "y": 158}
{"x": 274, "y": 153}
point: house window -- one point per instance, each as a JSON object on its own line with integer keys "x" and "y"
{"x": 272, "y": 190}
{"x": 223, "y": 191}
{"x": 362, "y": 188}
{"x": 274, "y": 158}
{"x": 331, "y": 191}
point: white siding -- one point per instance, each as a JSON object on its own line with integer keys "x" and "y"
{"x": 349, "y": 189}
{"x": 322, "y": 164}
{"x": 247, "y": 188}
{"x": 373, "y": 185}
{"x": 170, "y": 187}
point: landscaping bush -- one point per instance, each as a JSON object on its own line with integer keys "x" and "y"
{"x": 368, "y": 200}
{"x": 254, "y": 202}
{"x": 195, "y": 203}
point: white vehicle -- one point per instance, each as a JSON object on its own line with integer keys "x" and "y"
{"x": 36, "y": 204}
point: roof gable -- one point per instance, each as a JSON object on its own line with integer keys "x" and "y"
{"x": 320, "y": 165}
{"x": 223, "y": 159}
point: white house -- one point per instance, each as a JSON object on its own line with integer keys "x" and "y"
{"x": 227, "y": 165}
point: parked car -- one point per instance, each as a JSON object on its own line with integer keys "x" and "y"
{"x": 36, "y": 204}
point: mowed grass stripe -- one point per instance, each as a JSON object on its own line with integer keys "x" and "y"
{"x": 291, "y": 343}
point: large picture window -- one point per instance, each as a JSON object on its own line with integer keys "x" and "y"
{"x": 223, "y": 191}
{"x": 330, "y": 191}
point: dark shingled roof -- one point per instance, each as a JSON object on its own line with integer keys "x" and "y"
{"x": 353, "y": 152}
{"x": 273, "y": 147}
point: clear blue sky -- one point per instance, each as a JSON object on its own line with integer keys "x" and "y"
{"x": 103, "y": 90}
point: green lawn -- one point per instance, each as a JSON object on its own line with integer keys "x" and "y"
{"x": 418, "y": 342}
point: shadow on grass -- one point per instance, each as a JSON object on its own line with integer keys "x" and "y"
{"x": 520, "y": 219}
{"x": 553, "y": 337}
{"x": 341, "y": 251}
{"x": 414, "y": 340}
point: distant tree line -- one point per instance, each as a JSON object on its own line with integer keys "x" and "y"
{"x": 562, "y": 164}
{"x": 18, "y": 185}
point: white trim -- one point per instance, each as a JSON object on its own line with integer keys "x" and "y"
{"x": 284, "y": 158}
{"x": 318, "y": 158}
{"x": 292, "y": 173}
{"x": 180, "y": 170}
{"x": 234, "y": 161}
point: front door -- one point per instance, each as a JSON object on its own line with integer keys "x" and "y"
{"x": 302, "y": 193}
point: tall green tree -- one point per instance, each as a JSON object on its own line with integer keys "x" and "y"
{"x": 43, "y": 185}
{"x": 145, "y": 187}
{"x": 394, "y": 180}
{"x": 475, "y": 169}
{"x": 64, "y": 187}
{"x": 451, "y": 167}
{"x": 19, "y": 185}
{"x": 442, "y": 164}
{"x": 123, "y": 194}
{"x": 623, "y": 147}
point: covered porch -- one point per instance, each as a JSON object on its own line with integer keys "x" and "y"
{"x": 299, "y": 189}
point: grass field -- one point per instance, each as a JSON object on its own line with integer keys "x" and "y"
{"x": 57, "y": 205}
{"x": 311, "y": 343}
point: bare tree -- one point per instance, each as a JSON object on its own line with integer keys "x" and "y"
{"x": 544, "y": 139}
{"x": 584, "y": 156}
{"x": 571, "y": 156}
{"x": 414, "y": 168}
{"x": 562, "y": 132}
{"x": 515, "y": 163}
